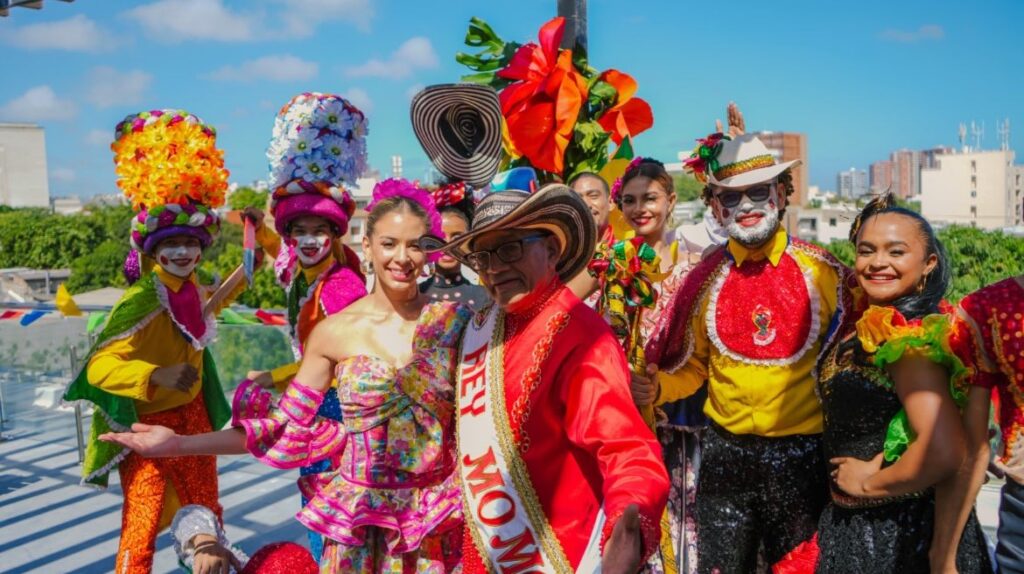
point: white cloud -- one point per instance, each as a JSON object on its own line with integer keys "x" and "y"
{"x": 178, "y": 20}
{"x": 414, "y": 54}
{"x": 38, "y": 104}
{"x": 62, "y": 175}
{"x": 283, "y": 68}
{"x": 181, "y": 20}
{"x": 102, "y": 138}
{"x": 926, "y": 32}
{"x": 359, "y": 99}
{"x": 302, "y": 16}
{"x": 106, "y": 87}
{"x": 75, "y": 34}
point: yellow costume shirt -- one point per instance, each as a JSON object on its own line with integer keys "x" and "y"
{"x": 767, "y": 397}
{"x": 123, "y": 366}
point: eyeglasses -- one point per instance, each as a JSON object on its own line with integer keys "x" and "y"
{"x": 732, "y": 198}
{"x": 506, "y": 252}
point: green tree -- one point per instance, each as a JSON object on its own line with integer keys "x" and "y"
{"x": 687, "y": 187}
{"x": 247, "y": 197}
{"x": 100, "y": 268}
{"x": 243, "y": 348}
{"x": 977, "y": 258}
{"x": 265, "y": 293}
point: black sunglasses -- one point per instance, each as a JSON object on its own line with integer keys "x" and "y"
{"x": 509, "y": 252}
{"x": 732, "y": 198}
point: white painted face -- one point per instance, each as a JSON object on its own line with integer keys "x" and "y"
{"x": 179, "y": 256}
{"x": 311, "y": 249}
{"x": 752, "y": 221}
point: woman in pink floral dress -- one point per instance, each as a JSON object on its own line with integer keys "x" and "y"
{"x": 392, "y": 504}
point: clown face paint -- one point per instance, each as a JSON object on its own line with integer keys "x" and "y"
{"x": 311, "y": 249}
{"x": 750, "y": 223}
{"x": 179, "y": 256}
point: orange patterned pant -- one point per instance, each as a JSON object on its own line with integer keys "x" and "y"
{"x": 155, "y": 488}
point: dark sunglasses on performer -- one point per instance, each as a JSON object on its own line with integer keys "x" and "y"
{"x": 731, "y": 198}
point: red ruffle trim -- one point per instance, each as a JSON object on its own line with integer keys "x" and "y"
{"x": 801, "y": 560}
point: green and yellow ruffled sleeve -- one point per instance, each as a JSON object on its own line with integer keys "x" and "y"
{"x": 888, "y": 337}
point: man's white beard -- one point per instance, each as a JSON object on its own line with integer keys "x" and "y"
{"x": 758, "y": 234}
{"x": 320, "y": 242}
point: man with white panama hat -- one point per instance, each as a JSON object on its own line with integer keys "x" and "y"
{"x": 559, "y": 472}
{"x": 750, "y": 320}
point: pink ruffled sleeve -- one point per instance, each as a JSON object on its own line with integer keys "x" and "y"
{"x": 288, "y": 435}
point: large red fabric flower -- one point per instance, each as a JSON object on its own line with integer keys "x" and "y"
{"x": 543, "y": 103}
{"x": 629, "y": 116}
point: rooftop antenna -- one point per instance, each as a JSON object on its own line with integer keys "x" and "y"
{"x": 979, "y": 133}
{"x": 1003, "y": 129}
{"x": 963, "y": 137}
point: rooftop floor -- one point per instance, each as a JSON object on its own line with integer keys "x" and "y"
{"x": 51, "y": 524}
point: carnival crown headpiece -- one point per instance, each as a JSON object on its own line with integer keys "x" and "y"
{"x": 318, "y": 146}
{"x": 170, "y": 169}
{"x": 734, "y": 162}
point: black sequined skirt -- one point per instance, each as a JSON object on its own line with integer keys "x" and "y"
{"x": 894, "y": 538}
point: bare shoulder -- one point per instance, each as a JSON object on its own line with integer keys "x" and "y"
{"x": 334, "y": 335}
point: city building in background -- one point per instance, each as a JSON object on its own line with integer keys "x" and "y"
{"x": 787, "y": 146}
{"x": 66, "y": 205}
{"x": 827, "y": 223}
{"x": 852, "y": 183}
{"x": 881, "y": 176}
{"x": 980, "y": 188}
{"x": 23, "y": 181}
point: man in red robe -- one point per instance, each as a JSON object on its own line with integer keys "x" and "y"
{"x": 559, "y": 471}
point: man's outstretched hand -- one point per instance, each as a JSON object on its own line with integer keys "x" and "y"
{"x": 149, "y": 441}
{"x": 737, "y": 125}
{"x": 624, "y": 549}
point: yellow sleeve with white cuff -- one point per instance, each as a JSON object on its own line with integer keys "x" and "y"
{"x": 124, "y": 366}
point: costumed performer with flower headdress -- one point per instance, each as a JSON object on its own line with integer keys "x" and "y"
{"x": 318, "y": 146}
{"x": 393, "y": 503}
{"x": 750, "y": 321}
{"x": 459, "y": 127}
{"x": 150, "y": 364}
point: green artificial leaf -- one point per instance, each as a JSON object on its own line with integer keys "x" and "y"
{"x": 478, "y": 63}
{"x": 480, "y": 34}
{"x": 600, "y": 98}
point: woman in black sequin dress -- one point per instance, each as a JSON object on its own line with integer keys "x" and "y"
{"x": 890, "y": 389}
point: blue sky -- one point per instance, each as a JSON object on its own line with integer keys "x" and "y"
{"x": 860, "y": 78}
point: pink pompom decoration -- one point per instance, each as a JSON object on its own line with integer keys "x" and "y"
{"x": 393, "y": 187}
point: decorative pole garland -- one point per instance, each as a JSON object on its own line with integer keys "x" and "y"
{"x": 626, "y": 272}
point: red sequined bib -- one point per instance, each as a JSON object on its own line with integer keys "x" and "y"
{"x": 763, "y": 314}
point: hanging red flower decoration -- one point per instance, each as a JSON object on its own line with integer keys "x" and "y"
{"x": 543, "y": 103}
{"x": 629, "y": 116}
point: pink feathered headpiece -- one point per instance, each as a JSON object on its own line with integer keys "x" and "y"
{"x": 394, "y": 187}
